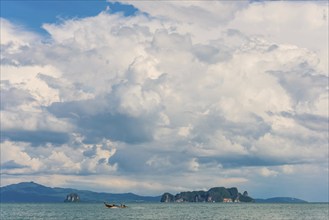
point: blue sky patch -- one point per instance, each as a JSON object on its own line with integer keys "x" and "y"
{"x": 32, "y": 14}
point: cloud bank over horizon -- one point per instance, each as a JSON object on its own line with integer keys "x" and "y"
{"x": 182, "y": 95}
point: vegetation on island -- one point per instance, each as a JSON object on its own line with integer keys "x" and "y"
{"x": 216, "y": 194}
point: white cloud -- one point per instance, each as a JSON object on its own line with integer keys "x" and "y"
{"x": 201, "y": 13}
{"x": 15, "y": 153}
{"x": 26, "y": 77}
{"x": 15, "y": 37}
{"x": 304, "y": 24}
{"x": 169, "y": 93}
{"x": 288, "y": 169}
{"x": 73, "y": 158}
{"x": 194, "y": 165}
{"x": 267, "y": 172}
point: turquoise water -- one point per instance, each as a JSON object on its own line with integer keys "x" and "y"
{"x": 218, "y": 211}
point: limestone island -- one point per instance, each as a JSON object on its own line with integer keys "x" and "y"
{"x": 72, "y": 197}
{"x": 216, "y": 194}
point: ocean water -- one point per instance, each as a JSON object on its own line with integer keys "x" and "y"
{"x": 218, "y": 211}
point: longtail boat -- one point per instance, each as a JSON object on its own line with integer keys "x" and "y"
{"x": 111, "y": 206}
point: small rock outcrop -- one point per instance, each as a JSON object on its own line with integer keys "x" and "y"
{"x": 72, "y": 197}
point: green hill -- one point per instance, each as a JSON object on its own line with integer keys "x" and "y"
{"x": 33, "y": 192}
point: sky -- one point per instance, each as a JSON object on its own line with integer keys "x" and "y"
{"x": 168, "y": 96}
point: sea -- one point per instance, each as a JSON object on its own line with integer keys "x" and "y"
{"x": 216, "y": 211}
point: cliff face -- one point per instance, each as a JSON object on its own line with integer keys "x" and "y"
{"x": 72, "y": 197}
{"x": 216, "y": 194}
{"x": 167, "y": 197}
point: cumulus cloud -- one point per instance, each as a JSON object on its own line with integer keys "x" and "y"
{"x": 166, "y": 92}
{"x": 73, "y": 157}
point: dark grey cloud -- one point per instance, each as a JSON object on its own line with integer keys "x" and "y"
{"x": 302, "y": 83}
{"x": 52, "y": 82}
{"x": 11, "y": 164}
{"x": 116, "y": 127}
{"x": 132, "y": 160}
{"x": 36, "y": 138}
{"x": 236, "y": 161}
{"x": 151, "y": 161}
{"x": 255, "y": 128}
{"x": 210, "y": 54}
{"x": 310, "y": 121}
{"x": 272, "y": 48}
{"x": 97, "y": 123}
{"x": 90, "y": 152}
{"x": 13, "y": 97}
{"x": 20, "y": 59}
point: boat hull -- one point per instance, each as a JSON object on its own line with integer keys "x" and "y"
{"x": 113, "y": 206}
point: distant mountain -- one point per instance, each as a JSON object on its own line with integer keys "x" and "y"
{"x": 216, "y": 194}
{"x": 33, "y": 192}
{"x": 280, "y": 200}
